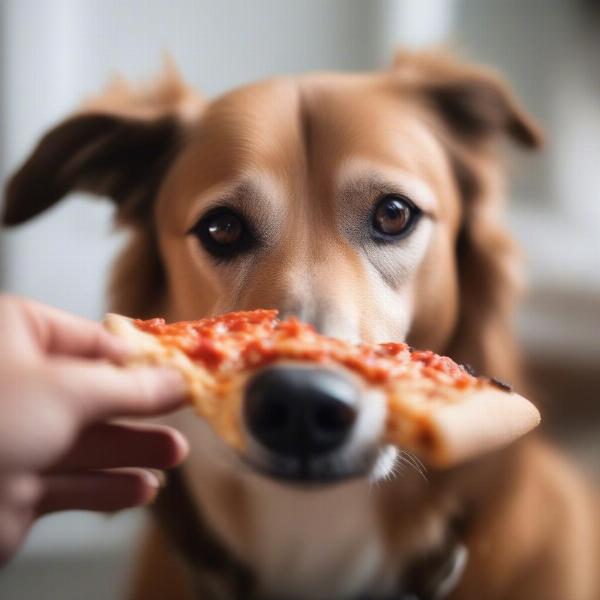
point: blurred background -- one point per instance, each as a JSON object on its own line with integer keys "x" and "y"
{"x": 53, "y": 53}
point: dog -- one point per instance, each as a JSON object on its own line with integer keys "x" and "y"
{"x": 369, "y": 205}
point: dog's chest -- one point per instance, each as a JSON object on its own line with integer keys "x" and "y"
{"x": 318, "y": 544}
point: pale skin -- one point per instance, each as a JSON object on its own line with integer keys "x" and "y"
{"x": 61, "y": 388}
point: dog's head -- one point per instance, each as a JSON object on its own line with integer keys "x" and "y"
{"x": 364, "y": 203}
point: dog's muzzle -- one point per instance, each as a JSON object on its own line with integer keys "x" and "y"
{"x": 302, "y": 419}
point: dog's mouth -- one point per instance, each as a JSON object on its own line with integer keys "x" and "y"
{"x": 311, "y": 471}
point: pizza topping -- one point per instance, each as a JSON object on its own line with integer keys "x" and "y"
{"x": 252, "y": 339}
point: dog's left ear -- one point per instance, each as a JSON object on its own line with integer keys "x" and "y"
{"x": 475, "y": 104}
{"x": 118, "y": 145}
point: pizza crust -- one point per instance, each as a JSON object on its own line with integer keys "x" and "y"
{"x": 456, "y": 430}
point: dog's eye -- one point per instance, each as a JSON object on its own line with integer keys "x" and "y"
{"x": 226, "y": 229}
{"x": 393, "y": 217}
{"x": 224, "y": 233}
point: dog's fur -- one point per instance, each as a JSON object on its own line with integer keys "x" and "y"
{"x": 305, "y": 157}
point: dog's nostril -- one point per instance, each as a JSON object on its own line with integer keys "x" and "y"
{"x": 333, "y": 417}
{"x": 300, "y": 411}
{"x": 273, "y": 416}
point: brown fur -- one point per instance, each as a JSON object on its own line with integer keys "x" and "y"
{"x": 528, "y": 519}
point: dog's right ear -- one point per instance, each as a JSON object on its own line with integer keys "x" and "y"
{"x": 119, "y": 146}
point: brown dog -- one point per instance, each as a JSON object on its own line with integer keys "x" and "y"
{"x": 368, "y": 204}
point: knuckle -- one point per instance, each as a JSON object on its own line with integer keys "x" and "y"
{"x": 26, "y": 491}
{"x": 97, "y": 340}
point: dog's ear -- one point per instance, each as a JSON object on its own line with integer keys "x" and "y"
{"x": 119, "y": 145}
{"x": 108, "y": 155}
{"x": 474, "y": 103}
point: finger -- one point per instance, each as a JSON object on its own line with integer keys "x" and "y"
{"x": 13, "y": 531}
{"x": 104, "y": 491}
{"x": 19, "y": 494}
{"x": 59, "y": 332}
{"x": 113, "y": 445}
{"x": 103, "y": 391}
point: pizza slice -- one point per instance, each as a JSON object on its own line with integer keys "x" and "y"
{"x": 435, "y": 407}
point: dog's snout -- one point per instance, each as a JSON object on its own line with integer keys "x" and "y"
{"x": 300, "y": 412}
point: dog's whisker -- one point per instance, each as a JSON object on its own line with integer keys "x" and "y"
{"x": 409, "y": 459}
{"x": 422, "y": 468}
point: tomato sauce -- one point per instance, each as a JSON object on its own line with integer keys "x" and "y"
{"x": 252, "y": 339}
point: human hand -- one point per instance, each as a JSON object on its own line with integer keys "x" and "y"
{"x": 59, "y": 445}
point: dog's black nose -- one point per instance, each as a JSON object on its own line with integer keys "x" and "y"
{"x": 299, "y": 411}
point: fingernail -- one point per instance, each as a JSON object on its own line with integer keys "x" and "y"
{"x": 160, "y": 477}
{"x": 151, "y": 479}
